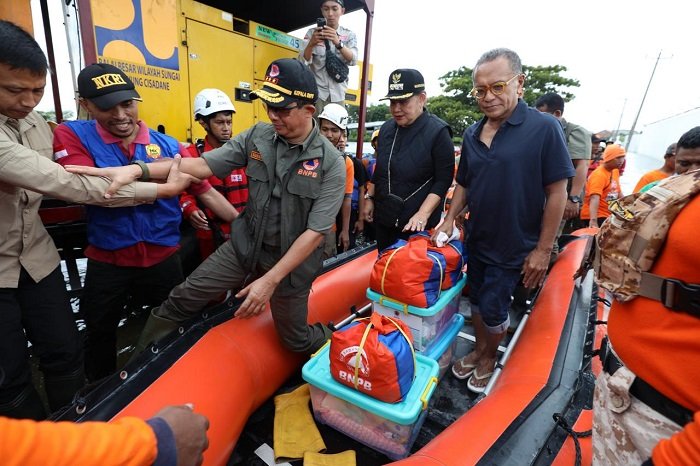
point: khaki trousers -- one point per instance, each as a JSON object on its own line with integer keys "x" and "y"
{"x": 223, "y": 271}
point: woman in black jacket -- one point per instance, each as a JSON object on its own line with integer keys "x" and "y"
{"x": 415, "y": 164}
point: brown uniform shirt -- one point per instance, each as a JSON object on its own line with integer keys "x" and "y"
{"x": 24, "y": 173}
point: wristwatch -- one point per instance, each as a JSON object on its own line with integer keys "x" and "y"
{"x": 575, "y": 199}
{"x": 369, "y": 196}
{"x": 340, "y": 45}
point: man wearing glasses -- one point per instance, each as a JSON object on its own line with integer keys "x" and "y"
{"x": 296, "y": 179}
{"x": 512, "y": 174}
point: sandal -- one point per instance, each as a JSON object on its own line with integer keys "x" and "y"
{"x": 476, "y": 377}
{"x": 461, "y": 370}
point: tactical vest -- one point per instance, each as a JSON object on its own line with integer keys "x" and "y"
{"x": 629, "y": 241}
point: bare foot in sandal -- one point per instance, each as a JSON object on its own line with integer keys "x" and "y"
{"x": 481, "y": 375}
{"x": 463, "y": 367}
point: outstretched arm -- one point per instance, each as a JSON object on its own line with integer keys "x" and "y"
{"x": 221, "y": 207}
{"x": 121, "y": 176}
{"x": 27, "y": 169}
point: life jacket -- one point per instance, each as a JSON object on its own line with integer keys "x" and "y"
{"x": 234, "y": 187}
{"x": 121, "y": 227}
{"x": 629, "y": 241}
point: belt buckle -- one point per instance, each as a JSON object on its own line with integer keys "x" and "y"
{"x": 611, "y": 363}
{"x": 681, "y": 296}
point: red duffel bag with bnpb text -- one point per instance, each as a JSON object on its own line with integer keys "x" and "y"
{"x": 374, "y": 356}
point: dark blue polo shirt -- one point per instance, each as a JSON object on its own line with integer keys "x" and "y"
{"x": 506, "y": 183}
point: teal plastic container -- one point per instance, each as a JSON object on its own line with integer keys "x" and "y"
{"x": 442, "y": 349}
{"x": 425, "y": 323}
{"x": 390, "y": 428}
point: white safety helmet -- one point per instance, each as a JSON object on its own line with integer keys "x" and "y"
{"x": 210, "y": 101}
{"x": 335, "y": 114}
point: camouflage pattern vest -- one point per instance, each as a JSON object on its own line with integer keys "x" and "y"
{"x": 631, "y": 238}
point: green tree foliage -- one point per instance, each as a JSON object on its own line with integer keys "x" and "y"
{"x": 374, "y": 113}
{"x": 540, "y": 80}
{"x": 51, "y": 116}
{"x": 460, "y": 110}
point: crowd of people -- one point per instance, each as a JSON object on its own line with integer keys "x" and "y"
{"x": 269, "y": 204}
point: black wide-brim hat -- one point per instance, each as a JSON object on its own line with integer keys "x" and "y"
{"x": 286, "y": 81}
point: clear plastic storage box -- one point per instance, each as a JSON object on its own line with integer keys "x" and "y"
{"x": 443, "y": 348}
{"x": 390, "y": 428}
{"x": 425, "y": 323}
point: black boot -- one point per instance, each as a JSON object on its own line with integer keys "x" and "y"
{"x": 60, "y": 389}
{"x": 156, "y": 328}
{"x": 26, "y": 405}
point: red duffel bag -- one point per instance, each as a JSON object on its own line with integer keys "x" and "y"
{"x": 374, "y": 356}
{"x": 414, "y": 272}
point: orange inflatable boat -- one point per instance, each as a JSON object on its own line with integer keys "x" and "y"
{"x": 230, "y": 369}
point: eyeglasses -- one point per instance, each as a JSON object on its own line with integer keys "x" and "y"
{"x": 496, "y": 88}
{"x": 281, "y": 112}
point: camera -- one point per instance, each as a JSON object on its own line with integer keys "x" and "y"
{"x": 320, "y": 22}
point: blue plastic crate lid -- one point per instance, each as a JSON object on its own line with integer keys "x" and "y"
{"x": 317, "y": 372}
{"x": 438, "y": 347}
{"x": 445, "y": 297}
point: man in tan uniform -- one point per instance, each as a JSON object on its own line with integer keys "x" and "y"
{"x": 34, "y": 304}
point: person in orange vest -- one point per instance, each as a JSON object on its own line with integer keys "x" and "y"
{"x": 646, "y": 407}
{"x": 175, "y": 435}
{"x": 603, "y": 186}
{"x": 666, "y": 170}
{"x": 214, "y": 111}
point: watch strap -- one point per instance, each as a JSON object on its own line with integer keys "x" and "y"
{"x": 145, "y": 172}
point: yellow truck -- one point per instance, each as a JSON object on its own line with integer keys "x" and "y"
{"x": 172, "y": 49}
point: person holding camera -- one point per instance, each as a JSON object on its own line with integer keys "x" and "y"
{"x": 415, "y": 164}
{"x": 329, "y": 49}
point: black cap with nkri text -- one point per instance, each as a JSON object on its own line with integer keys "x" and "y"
{"x": 105, "y": 85}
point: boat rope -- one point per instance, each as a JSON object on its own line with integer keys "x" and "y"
{"x": 600, "y": 299}
{"x": 561, "y": 422}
